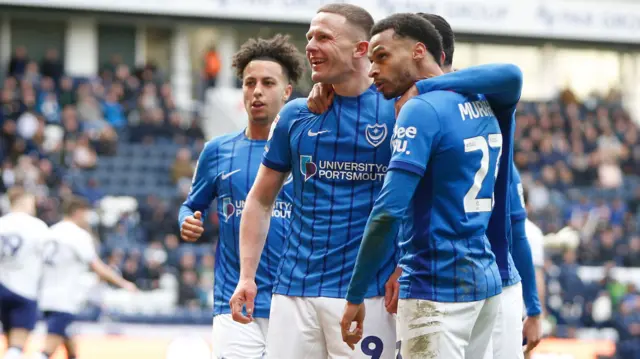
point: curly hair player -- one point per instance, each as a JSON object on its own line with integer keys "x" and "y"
{"x": 225, "y": 172}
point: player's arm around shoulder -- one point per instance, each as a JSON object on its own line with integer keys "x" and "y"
{"x": 320, "y": 98}
{"x": 500, "y": 83}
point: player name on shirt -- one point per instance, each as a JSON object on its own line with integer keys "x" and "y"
{"x": 475, "y": 109}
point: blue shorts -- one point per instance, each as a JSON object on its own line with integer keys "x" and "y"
{"x": 58, "y": 323}
{"x": 16, "y": 311}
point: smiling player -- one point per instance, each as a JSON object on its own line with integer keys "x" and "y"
{"x": 338, "y": 161}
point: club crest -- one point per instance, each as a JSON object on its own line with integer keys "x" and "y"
{"x": 376, "y": 134}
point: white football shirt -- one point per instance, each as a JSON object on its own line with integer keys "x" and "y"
{"x": 536, "y": 241}
{"x": 67, "y": 256}
{"x": 21, "y": 240}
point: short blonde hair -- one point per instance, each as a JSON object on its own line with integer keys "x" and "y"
{"x": 15, "y": 194}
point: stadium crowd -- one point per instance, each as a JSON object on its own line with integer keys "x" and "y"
{"x": 579, "y": 162}
{"x": 56, "y": 130}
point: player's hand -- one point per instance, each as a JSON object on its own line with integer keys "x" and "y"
{"x": 320, "y": 98}
{"x": 130, "y": 287}
{"x": 392, "y": 291}
{"x": 532, "y": 332}
{"x": 192, "y": 227}
{"x": 243, "y": 297}
{"x": 352, "y": 313}
{"x": 411, "y": 92}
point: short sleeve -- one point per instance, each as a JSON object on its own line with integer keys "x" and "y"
{"x": 536, "y": 242}
{"x": 277, "y": 155}
{"x": 86, "y": 249}
{"x": 42, "y": 236}
{"x": 518, "y": 211}
{"x": 203, "y": 185}
{"x": 416, "y": 134}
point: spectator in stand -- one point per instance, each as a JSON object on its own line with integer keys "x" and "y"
{"x": 188, "y": 292}
{"x": 84, "y": 156}
{"x": 171, "y": 245}
{"x": 51, "y": 66}
{"x": 131, "y": 271}
{"x": 206, "y": 268}
{"x": 627, "y": 323}
{"x": 92, "y": 191}
{"x": 211, "y": 66}
{"x": 152, "y": 271}
{"x": 66, "y": 94}
{"x": 631, "y": 257}
{"x": 116, "y": 259}
{"x": 18, "y": 62}
{"x": 609, "y": 173}
{"x": 113, "y": 111}
{"x": 205, "y": 292}
{"x": 182, "y": 169}
{"x": 31, "y": 74}
{"x": 187, "y": 262}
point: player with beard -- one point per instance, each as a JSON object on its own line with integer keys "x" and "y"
{"x": 443, "y": 182}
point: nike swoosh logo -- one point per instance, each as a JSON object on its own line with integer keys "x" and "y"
{"x": 224, "y": 176}
{"x": 313, "y": 134}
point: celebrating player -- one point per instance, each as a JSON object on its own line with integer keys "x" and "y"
{"x": 338, "y": 161}
{"x": 509, "y": 328}
{"x": 508, "y": 331}
{"x": 226, "y": 170}
{"x": 445, "y": 164}
{"x": 67, "y": 254}
{"x": 21, "y": 239}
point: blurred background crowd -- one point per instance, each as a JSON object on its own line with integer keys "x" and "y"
{"x": 120, "y": 140}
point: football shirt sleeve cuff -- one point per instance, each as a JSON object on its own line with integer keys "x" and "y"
{"x": 275, "y": 166}
{"x": 406, "y": 166}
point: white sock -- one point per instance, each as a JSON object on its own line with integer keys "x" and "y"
{"x": 13, "y": 353}
{"x": 41, "y": 356}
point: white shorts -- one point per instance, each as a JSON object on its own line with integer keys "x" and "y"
{"x": 233, "y": 340}
{"x": 437, "y": 330}
{"x": 506, "y": 339}
{"x": 309, "y": 328}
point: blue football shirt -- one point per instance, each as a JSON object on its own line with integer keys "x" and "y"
{"x": 454, "y": 143}
{"x": 226, "y": 170}
{"x": 516, "y": 194}
{"x": 510, "y": 274}
{"x": 338, "y": 161}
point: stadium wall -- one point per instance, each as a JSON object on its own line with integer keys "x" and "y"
{"x": 555, "y": 43}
